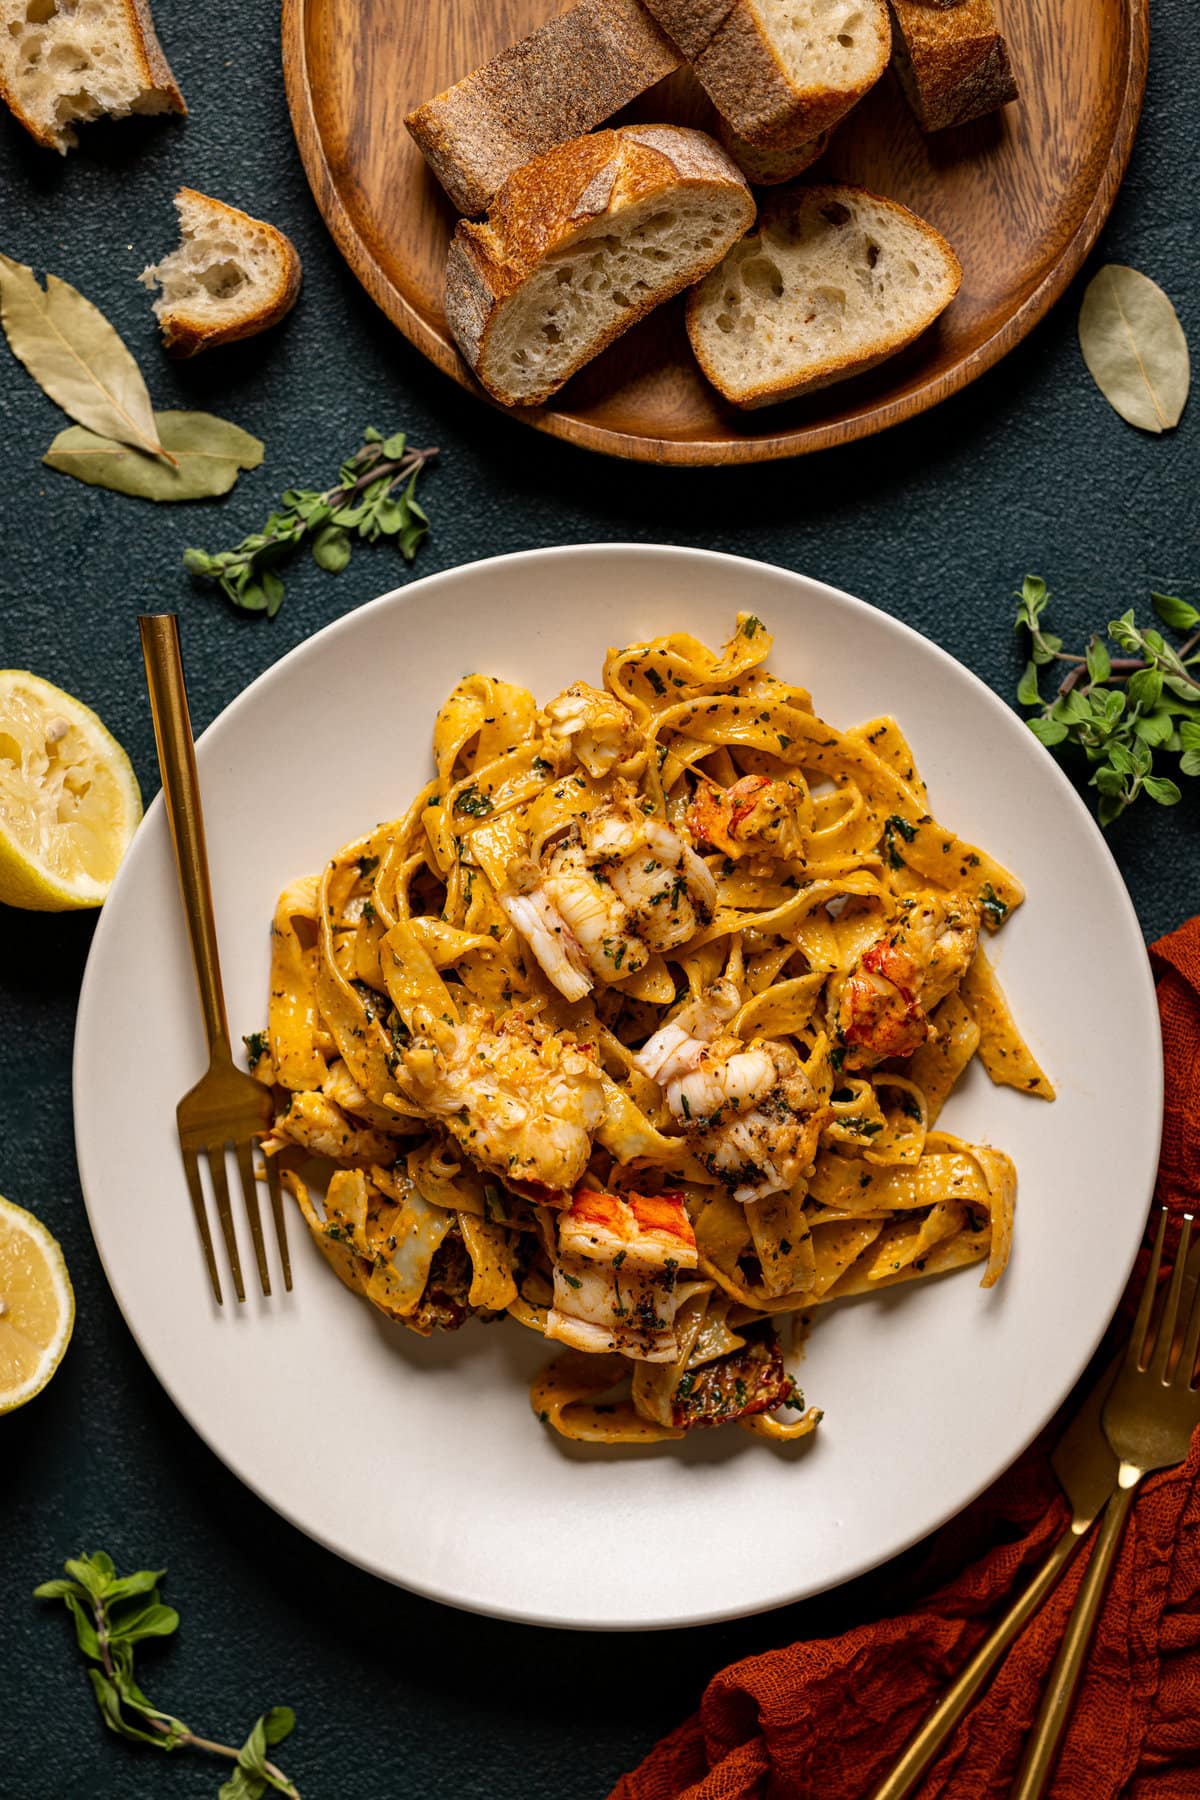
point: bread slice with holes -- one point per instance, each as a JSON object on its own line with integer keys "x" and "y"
{"x": 231, "y": 277}
{"x": 953, "y": 64}
{"x": 781, "y": 71}
{"x": 64, "y": 62}
{"x": 581, "y": 243}
{"x": 832, "y": 281}
{"x": 560, "y": 81}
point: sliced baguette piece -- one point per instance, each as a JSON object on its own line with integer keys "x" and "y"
{"x": 832, "y": 281}
{"x": 781, "y": 71}
{"x": 953, "y": 63}
{"x": 231, "y": 277}
{"x": 582, "y": 242}
{"x": 559, "y": 82}
{"x": 64, "y": 64}
{"x": 767, "y": 165}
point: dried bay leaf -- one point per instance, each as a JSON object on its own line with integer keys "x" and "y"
{"x": 209, "y": 454}
{"x": 76, "y": 356}
{"x": 1134, "y": 347}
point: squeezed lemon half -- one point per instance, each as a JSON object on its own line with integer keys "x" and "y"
{"x": 37, "y": 1306}
{"x": 69, "y": 799}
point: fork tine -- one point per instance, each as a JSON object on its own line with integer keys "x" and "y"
{"x": 216, "y": 1169}
{"x": 1186, "y": 1365}
{"x": 1141, "y": 1325}
{"x": 280, "y": 1218}
{"x": 245, "y": 1163}
{"x": 192, "y": 1171}
{"x": 1166, "y": 1329}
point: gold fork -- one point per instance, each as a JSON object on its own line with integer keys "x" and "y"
{"x": 1149, "y": 1418}
{"x": 227, "y": 1108}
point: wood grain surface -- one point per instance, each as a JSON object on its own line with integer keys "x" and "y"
{"x": 1021, "y": 195}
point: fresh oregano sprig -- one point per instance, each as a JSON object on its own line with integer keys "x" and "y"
{"x": 1119, "y": 709}
{"x": 112, "y": 1613}
{"x": 374, "y": 497}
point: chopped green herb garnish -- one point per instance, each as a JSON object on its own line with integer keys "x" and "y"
{"x": 993, "y": 908}
{"x": 473, "y": 803}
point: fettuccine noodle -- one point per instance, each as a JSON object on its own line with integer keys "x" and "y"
{"x": 637, "y": 1026}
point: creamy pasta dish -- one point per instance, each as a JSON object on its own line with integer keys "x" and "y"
{"x": 637, "y": 1027}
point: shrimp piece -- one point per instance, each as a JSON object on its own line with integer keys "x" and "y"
{"x": 756, "y": 816}
{"x": 340, "y": 1086}
{"x": 318, "y": 1124}
{"x": 618, "y": 1260}
{"x": 751, "y": 1112}
{"x": 883, "y": 1007}
{"x": 616, "y": 888}
{"x": 521, "y": 1100}
{"x": 559, "y": 952}
{"x": 597, "y": 728}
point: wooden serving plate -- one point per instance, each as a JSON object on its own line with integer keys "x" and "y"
{"x": 1021, "y": 195}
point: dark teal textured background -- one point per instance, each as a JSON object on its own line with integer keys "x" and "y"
{"x": 935, "y": 522}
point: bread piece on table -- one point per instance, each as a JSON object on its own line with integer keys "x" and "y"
{"x": 953, "y": 64}
{"x": 232, "y": 276}
{"x": 781, "y": 71}
{"x": 580, "y": 243}
{"x": 832, "y": 281}
{"x": 768, "y": 165}
{"x": 559, "y": 82}
{"x": 63, "y": 65}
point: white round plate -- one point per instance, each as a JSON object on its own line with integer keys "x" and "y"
{"x": 421, "y": 1460}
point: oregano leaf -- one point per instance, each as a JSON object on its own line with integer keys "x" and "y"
{"x": 149, "y": 1621}
{"x": 85, "y": 1630}
{"x": 278, "y": 1723}
{"x": 253, "y": 1752}
{"x": 1099, "y": 663}
{"x": 331, "y": 549}
{"x": 126, "y": 1587}
{"x": 241, "y": 1786}
{"x": 1027, "y": 688}
{"x": 1178, "y": 614}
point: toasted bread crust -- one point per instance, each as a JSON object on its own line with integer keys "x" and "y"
{"x": 185, "y": 334}
{"x": 768, "y": 165}
{"x": 737, "y": 64}
{"x": 153, "y": 69}
{"x": 953, "y": 64}
{"x": 37, "y": 132}
{"x": 543, "y": 205}
{"x": 158, "y": 70}
{"x": 562, "y": 80}
{"x": 834, "y": 369}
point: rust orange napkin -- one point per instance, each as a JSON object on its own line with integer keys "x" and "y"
{"x": 825, "y": 1720}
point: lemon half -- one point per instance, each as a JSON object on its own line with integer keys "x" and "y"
{"x": 69, "y": 799}
{"x": 37, "y": 1306}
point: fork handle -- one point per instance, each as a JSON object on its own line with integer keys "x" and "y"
{"x": 926, "y": 1742}
{"x": 181, "y": 797}
{"x": 1041, "y": 1752}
